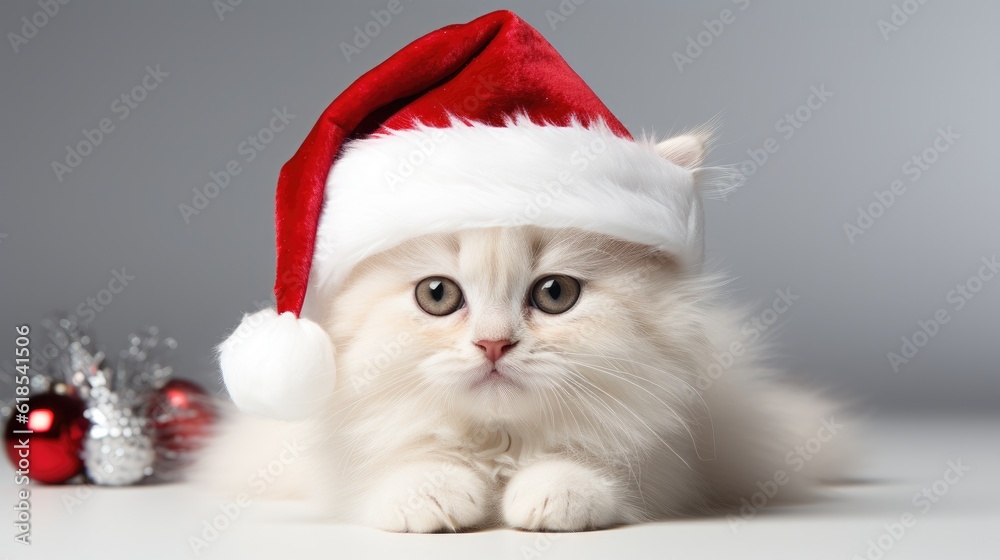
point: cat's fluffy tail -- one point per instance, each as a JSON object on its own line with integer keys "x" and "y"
{"x": 257, "y": 457}
{"x": 775, "y": 442}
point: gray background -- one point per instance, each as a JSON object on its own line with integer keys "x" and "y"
{"x": 60, "y": 241}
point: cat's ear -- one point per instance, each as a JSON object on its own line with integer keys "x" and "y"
{"x": 687, "y": 150}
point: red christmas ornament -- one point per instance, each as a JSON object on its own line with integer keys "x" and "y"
{"x": 182, "y": 414}
{"x": 58, "y": 427}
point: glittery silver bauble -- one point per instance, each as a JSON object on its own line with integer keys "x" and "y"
{"x": 118, "y": 449}
{"x": 122, "y": 443}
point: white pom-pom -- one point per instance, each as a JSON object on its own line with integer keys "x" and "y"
{"x": 280, "y": 366}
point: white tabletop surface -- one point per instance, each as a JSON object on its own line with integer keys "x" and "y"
{"x": 903, "y": 456}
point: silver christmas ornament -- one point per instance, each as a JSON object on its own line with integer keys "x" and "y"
{"x": 118, "y": 449}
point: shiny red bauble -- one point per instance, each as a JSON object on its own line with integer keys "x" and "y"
{"x": 51, "y": 452}
{"x": 182, "y": 414}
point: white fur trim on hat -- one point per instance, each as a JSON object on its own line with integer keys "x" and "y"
{"x": 278, "y": 366}
{"x": 387, "y": 188}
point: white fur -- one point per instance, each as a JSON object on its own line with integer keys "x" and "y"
{"x": 427, "y": 496}
{"x": 614, "y": 417}
{"x": 278, "y": 366}
{"x": 561, "y": 495}
{"x": 387, "y": 188}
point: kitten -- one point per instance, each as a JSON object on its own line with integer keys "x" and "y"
{"x": 543, "y": 379}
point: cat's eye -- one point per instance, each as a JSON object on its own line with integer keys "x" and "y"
{"x": 438, "y": 295}
{"x": 555, "y": 293}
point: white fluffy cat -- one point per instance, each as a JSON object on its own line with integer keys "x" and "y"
{"x": 544, "y": 379}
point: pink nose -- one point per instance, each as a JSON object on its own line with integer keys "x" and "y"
{"x": 495, "y": 348}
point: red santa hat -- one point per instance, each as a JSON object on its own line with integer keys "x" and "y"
{"x": 480, "y": 124}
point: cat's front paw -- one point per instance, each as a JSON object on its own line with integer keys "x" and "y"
{"x": 428, "y": 497}
{"x": 559, "y": 495}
